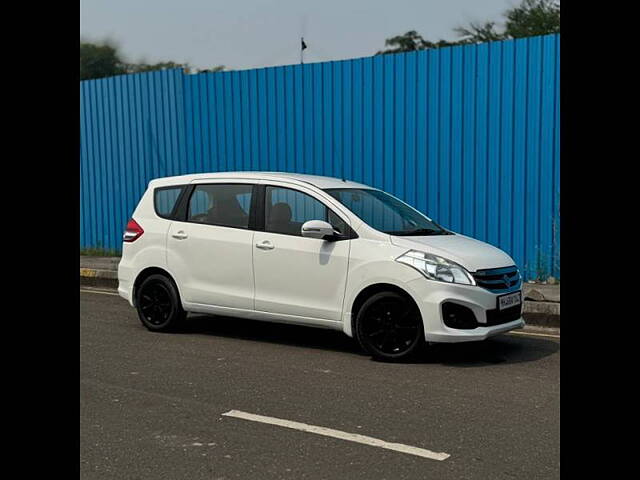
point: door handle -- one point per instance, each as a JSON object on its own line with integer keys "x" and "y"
{"x": 266, "y": 245}
{"x": 180, "y": 235}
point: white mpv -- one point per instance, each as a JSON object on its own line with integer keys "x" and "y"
{"x": 314, "y": 251}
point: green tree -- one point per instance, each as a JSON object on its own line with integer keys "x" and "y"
{"x": 145, "y": 67}
{"x": 217, "y": 68}
{"x": 409, "y": 42}
{"x": 98, "y": 61}
{"x": 529, "y": 18}
{"x": 533, "y": 17}
{"x": 104, "y": 60}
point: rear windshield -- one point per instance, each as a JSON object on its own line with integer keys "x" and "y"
{"x": 165, "y": 198}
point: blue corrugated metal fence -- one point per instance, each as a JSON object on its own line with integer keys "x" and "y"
{"x": 468, "y": 135}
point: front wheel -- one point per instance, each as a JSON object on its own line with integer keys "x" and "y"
{"x": 158, "y": 304}
{"x": 389, "y": 327}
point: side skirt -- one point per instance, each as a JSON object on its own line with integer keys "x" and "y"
{"x": 262, "y": 316}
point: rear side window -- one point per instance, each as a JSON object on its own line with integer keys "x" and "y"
{"x": 223, "y": 205}
{"x": 165, "y": 199}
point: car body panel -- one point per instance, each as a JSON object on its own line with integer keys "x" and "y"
{"x": 472, "y": 254}
{"x": 220, "y": 270}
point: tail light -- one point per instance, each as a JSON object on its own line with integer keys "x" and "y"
{"x": 132, "y": 232}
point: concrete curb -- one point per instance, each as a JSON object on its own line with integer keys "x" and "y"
{"x": 541, "y": 305}
{"x": 539, "y": 313}
{"x": 92, "y": 277}
{"x": 542, "y": 314}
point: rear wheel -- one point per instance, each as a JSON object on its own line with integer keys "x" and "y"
{"x": 389, "y": 327}
{"x": 158, "y": 304}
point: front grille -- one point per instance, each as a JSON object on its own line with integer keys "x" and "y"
{"x": 498, "y": 317}
{"x": 498, "y": 280}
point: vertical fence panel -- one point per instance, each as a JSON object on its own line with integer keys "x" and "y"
{"x": 443, "y": 213}
{"x": 493, "y": 148}
{"x": 532, "y": 199}
{"x": 556, "y": 163}
{"x": 433, "y": 136}
{"x": 481, "y": 114}
{"x": 290, "y": 119}
{"x": 506, "y": 146}
{"x": 347, "y": 159}
{"x": 367, "y": 121}
{"x": 519, "y": 154}
{"x": 469, "y": 135}
{"x": 399, "y": 127}
{"x": 469, "y": 138}
{"x": 455, "y": 222}
{"x": 84, "y": 173}
{"x": 421, "y": 131}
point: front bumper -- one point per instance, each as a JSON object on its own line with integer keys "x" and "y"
{"x": 430, "y": 296}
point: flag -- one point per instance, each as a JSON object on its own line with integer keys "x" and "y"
{"x": 303, "y": 45}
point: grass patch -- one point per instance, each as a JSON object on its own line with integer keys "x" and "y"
{"x": 100, "y": 252}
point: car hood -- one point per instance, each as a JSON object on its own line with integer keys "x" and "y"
{"x": 472, "y": 254}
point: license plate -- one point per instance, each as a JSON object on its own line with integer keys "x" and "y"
{"x": 509, "y": 300}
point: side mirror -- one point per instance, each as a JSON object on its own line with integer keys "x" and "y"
{"x": 318, "y": 229}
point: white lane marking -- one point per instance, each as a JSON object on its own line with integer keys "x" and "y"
{"x": 534, "y": 334}
{"x": 103, "y": 292}
{"x": 329, "y": 432}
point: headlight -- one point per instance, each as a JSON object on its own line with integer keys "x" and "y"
{"x": 437, "y": 268}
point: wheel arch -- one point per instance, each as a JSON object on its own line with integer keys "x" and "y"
{"x": 146, "y": 273}
{"x": 370, "y": 290}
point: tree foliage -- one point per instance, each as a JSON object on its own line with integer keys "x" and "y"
{"x": 98, "y": 61}
{"x": 104, "y": 60}
{"x": 411, "y": 41}
{"x": 529, "y": 18}
{"x": 533, "y": 17}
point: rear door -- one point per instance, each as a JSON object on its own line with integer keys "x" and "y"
{"x": 210, "y": 249}
{"x": 295, "y": 275}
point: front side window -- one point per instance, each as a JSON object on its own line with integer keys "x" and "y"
{"x": 286, "y": 210}
{"x": 385, "y": 213}
{"x": 222, "y": 205}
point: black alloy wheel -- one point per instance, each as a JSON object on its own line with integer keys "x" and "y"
{"x": 158, "y": 304}
{"x": 389, "y": 327}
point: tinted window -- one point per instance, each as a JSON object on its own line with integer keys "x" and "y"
{"x": 165, "y": 200}
{"x": 386, "y": 213}
{"x": 222, "y": 205}
{"x": 286, "y": 210}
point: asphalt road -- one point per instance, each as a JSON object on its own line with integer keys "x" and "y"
{"x": 151, "y": 403}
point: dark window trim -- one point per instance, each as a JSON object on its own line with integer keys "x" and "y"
{"x": 258, "y": 208}
{"x": 186, "y": 200}
{"x": 176, "y": 205}
{"x": 181, "y": 212}
{"x": 350, "y": 234}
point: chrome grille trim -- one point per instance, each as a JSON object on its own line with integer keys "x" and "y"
{"x": 499, "y": 280}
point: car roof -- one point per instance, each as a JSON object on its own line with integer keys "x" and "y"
{"x": 315, "y": 180}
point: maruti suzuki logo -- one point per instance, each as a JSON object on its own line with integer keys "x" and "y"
{"x": 506, "y": 280}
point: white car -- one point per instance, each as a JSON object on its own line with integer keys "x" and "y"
{"x": 315, "y": 251}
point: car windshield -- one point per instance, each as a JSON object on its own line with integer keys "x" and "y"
{"x": 386, "y": 213}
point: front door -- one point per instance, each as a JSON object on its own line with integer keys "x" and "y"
{"x": 294, "y": 275}
{"x": 210, "y": 253}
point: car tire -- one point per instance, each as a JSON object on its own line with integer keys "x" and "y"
{"x": 158, "y": 304}
{"x": 389, "y": 327}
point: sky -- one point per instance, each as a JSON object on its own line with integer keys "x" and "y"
{"x": 243, "y": 34}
